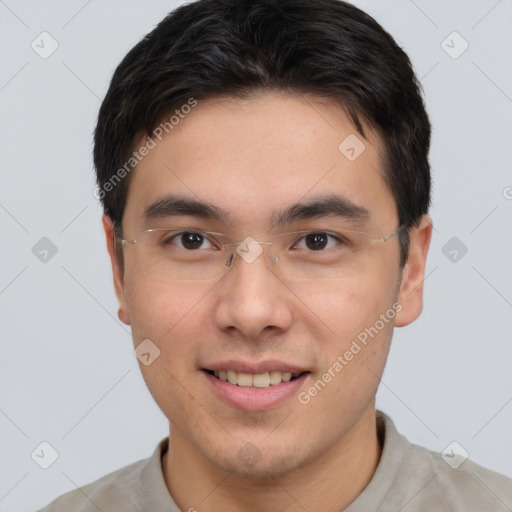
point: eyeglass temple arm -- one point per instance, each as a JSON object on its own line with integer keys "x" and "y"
{"x": 387, "y": 237}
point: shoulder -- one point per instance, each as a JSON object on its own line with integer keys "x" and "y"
{"x": 464, "y": 483}
{"x": 118, "y": 490}
{"x": 412, "y": 478}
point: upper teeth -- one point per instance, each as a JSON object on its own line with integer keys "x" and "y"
{"x": 260, "y": 380}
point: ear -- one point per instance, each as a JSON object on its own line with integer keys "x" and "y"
{"x": 410, "y": 295}
{"x": 117, "y": 272}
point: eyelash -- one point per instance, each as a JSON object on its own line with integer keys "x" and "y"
{"x": 337, "y": 238}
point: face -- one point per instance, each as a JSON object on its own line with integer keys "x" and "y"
{"x": 251, "y": 160}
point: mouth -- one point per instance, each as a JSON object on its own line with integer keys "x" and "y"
{"x": 254, "y": 385}
{"x": 251, "y": 380}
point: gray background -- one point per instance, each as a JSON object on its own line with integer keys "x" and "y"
{"x": 68, "y": 374}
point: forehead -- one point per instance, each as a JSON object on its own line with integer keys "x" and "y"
{"x": 253, "y": 157}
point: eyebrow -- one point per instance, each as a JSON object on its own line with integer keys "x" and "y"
{"x": 169, "y": 206}
{"x": 330, "y": 205}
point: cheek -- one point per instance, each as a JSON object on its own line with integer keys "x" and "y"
{"x": 161, "y": 309}
{"x": 357, "y": 346}
{"x": 169, "y": 318}
{"x": 349, "y": 306}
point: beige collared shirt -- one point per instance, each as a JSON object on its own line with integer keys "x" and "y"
{"x": 408, "y": 478}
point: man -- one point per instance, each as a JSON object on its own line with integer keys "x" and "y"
{"x": 263, "y": 167}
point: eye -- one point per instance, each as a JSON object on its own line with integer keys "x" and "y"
{"x": 318, "y": 241}
{"x": 189, "y": 240}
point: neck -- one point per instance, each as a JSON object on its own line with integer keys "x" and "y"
{"x": 329, "y": 483}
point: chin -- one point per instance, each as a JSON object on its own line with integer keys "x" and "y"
{"x": 259, "y": 465}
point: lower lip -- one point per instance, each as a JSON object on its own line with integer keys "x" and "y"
{"x": 254, "y": 399}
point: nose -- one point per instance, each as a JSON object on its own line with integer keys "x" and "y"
{"x": 252, "y": 299}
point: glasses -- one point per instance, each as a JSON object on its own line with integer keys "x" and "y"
{"x": 184, "y": 254}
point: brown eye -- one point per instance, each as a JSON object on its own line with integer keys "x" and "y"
{"x": 319, "y": 241}
{"x": 191, "y": 240}
{"x": 316, "y": 241}
{"x": 188, "y": 240}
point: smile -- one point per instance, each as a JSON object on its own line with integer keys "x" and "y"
{"x": 249, "y": 380}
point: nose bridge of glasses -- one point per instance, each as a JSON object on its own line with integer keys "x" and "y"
{"x": 248, "y": 250}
